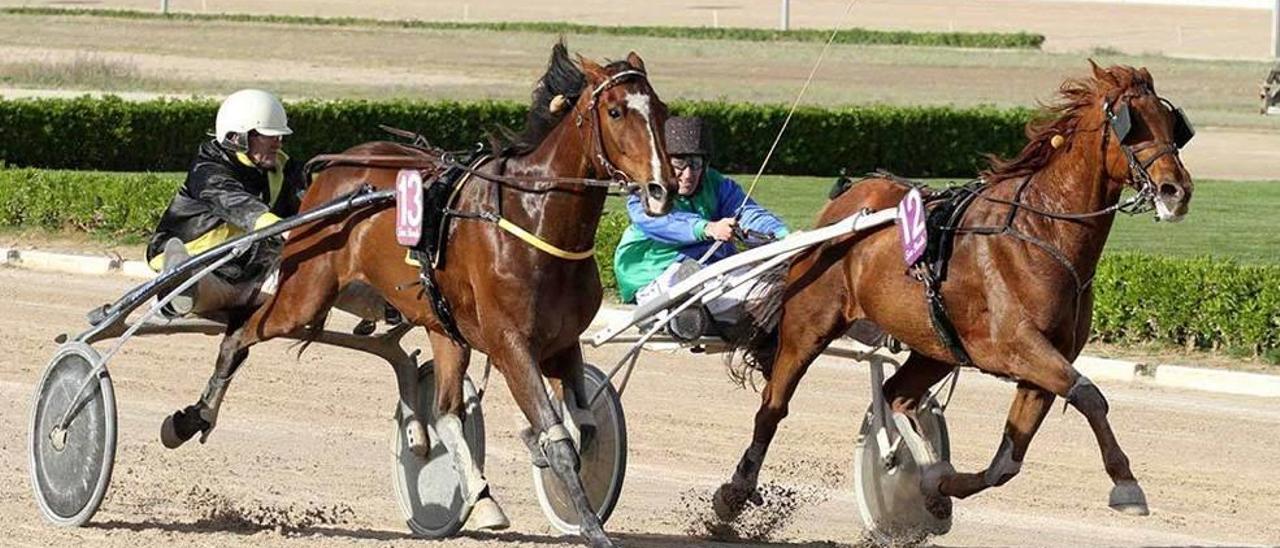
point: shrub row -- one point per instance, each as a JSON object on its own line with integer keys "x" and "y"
{"x": 108, "y": 204}
{"x": 1196, "y": 303}
{"x": 990, "y": 40}
{"x": 112, "y": 134}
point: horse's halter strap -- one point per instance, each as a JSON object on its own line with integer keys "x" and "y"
{"x": 601, "y": 156}
{"x": 1120, "y": 123}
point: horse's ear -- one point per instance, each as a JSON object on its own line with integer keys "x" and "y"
{"x": 1102, "y": 75}
{"x": 1146, "y": 77}
{"x": 635, "y": 61}
{"x": 592, "y": 69}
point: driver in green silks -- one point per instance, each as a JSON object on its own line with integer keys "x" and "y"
{"x": 706, "y": 212}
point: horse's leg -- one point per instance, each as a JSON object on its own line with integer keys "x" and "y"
{"x": 525, "y": 382}
{"x": 451, "y": 361}
{"x": 565, "y": 370}
{"x": 808, "y": 325}
{"x": 302, "y": 297}
{"x": 1030, "y": 405}
{"x": 1039, "y": 363}
{"x": 202, "y": 416}
{"x": 904, "y": 391}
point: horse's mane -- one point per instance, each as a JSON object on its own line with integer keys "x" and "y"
{"x": 1075, "y": 97}
{"x": 562, "y": 77}
{"x": 753, "y": 349}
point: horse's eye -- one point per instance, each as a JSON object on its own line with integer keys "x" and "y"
{"x": 615, "y": 113}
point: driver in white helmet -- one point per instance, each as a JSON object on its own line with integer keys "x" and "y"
{"x": 239, "y": 181}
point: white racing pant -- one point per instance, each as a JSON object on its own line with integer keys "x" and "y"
{"x": 214, "y": 295}
{"x": 725, "y": 309}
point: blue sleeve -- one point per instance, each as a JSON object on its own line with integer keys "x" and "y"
{"x": 676, "y": 228}
{"x": 754, "y": 217}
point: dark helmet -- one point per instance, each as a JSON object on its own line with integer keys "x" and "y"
{"x": 688, "y": 136}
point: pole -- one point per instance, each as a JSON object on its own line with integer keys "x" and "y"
{"x": 785, "y": 22}
{"x": 164, "y": 7}
{"x": 1275, "y": 29}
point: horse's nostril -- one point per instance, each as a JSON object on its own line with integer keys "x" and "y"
{"x": 1170, "y": 190}
{"x": 656, "y": 191}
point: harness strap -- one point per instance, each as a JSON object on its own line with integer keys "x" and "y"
{"x": 497, "y": 218}
{"x": 539, "y": 243}
{"x": 941, "y": 321}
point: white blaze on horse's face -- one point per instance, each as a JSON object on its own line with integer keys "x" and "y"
{"x": 640, "y": 102}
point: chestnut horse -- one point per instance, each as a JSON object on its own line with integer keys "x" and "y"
{"x": 1019, "y": 296}
{"x": 523, "y": 307}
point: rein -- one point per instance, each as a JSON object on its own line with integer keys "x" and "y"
{"x": 495, "y": 216}
{"x": 1141, "y": 202}
{"x": 424, "y": 159}
{"x": 447, "y": 160}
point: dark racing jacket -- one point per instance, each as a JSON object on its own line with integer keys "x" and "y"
{"x": 226, "y": 195}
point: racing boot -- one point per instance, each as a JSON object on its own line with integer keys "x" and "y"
{"x": 182, "y": 425}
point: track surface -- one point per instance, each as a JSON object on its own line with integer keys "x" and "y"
{"x": 304, "y": 440}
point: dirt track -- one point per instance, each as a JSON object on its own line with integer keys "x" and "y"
{"x": 313, "y": 434}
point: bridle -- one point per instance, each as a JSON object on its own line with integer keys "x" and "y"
{"x": 599, "y": 152}
{"x": 1119, "y": 122}
{"x": 617, "y": 177}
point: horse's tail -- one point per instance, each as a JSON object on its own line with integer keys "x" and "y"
{"x": 755, "y": 341}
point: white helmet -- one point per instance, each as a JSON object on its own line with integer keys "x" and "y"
{"x": 251, "y": 110}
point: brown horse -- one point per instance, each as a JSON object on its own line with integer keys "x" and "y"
{"x": 1019, "y": 296}
{"x": 523, "y": 307}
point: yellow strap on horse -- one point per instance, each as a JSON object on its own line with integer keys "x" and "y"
{"x": 543, "y": 245}
{"x": 528, "y": 238}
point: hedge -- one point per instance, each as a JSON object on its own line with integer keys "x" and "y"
{"x": 111, "y": 134}
{"x": 1197, "y": 303}
{"x": 108, "y": 204}
{"x": 991, "y": 40}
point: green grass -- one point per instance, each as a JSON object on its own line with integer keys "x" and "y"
{"x": 993, "y": 40}
{"x": 1228, "y": 219}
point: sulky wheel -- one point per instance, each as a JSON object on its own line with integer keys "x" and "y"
{"x": 71, "y": 465}
{"x": 430, "y": 491}
{"x": 604, "y": 462}
{"x": 893, "y": 507}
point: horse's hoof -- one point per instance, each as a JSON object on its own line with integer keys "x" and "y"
{"x": 1127, "y": 498}
{"x": 730, "y": 499}
{"x": 416, "y": 438}
{"x": 939, "y": 506}
{"x": 181, "y": 426}
{"x": 486, "y": 515}
{"x": 931, "y": 478}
